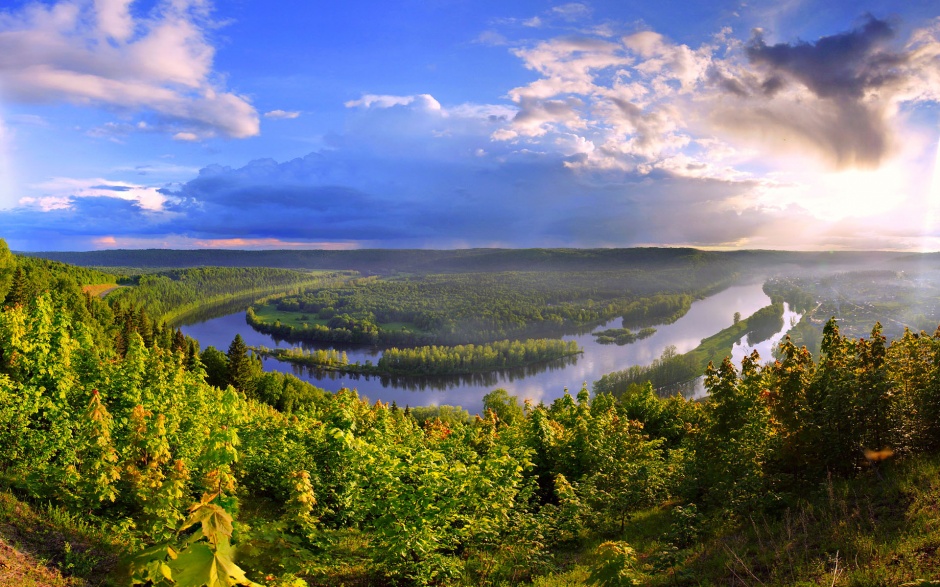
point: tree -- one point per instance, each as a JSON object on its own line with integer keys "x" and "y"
{"x": 19, "y": 292}
{"x": 505, "y": 406}
{"x": 737, "y": 317}
{"x": 239, "y": 364}
{"x": 216, "y": 364}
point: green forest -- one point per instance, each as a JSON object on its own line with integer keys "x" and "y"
{"x": 460, "y": 308}
{"x": 128, "y": 456}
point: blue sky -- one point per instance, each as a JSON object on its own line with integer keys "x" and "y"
{"x": 451, "y": 123}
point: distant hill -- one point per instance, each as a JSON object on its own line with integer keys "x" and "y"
{"x": 384, "y": 261}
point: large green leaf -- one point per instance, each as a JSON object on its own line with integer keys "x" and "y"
{"x": 199, "y": 566}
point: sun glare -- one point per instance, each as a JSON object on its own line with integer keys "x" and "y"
{"x": 933, "y": 204}
{"x": 862, "y": 193}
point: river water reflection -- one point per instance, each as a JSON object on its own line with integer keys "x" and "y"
{"x": 543, "y": 383}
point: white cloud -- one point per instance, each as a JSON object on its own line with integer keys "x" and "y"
{"x": 488, "y": 113}
{"x": 646, "y": 102}
{"x": 100, "y": 54}
{"x": 282, "y": 114}
{"x": 425, "y": 101}
{"x": 60, "y": 193}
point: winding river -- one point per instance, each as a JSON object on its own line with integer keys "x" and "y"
{"x": 543, "y": 383}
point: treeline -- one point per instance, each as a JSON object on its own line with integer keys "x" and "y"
{"x": 343, "y": 329}
{"x": 483, "y": 307}
{"x": 435, "y": 360}
{"x": 171, "y": 295}
{"x": 505, "y": 354}
{"x": 661, "y": 309}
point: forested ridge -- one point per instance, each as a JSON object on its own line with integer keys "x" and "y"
{"x": 396, "y": 260}
{"x": 141, "y": 460}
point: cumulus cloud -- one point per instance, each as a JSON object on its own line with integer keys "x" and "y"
{"x": 62, "y": 193}
{"x": 643, "y": 99}
{"x": 425, "y": 101}
{"x": 101, "y": 54}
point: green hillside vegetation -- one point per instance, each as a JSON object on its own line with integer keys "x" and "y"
{"x": 131, "y": 459}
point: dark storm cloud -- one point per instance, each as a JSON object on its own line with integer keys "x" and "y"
{"x": 843, "y": 66}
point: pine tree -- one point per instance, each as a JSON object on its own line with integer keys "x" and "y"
{"x": 239, "y": 365}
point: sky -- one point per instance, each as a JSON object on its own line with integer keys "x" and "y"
{"x": 790, "y": 124}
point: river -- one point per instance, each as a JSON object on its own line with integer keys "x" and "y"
{"x": 704, "y": 318}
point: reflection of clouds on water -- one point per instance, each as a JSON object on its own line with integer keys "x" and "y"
{"x": 542, "y": 383}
